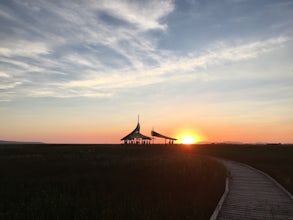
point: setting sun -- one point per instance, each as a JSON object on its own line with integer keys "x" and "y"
{"x": 188, "y": 140}
{"x": 189, "y": 136}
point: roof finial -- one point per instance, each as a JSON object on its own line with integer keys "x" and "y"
{"x": 138, "y": 118}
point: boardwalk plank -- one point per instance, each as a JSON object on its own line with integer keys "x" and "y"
{"x": 253, "y": 195}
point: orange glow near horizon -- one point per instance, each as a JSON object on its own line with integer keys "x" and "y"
{"x": 189, "y": 137}
{"x": 188, "y": 140}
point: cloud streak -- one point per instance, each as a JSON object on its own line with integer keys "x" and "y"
{"x": 217, "y": 55}
{"x": 145, "y": 15}
{"x": 24, "y": 48}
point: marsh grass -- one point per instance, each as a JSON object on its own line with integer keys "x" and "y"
{"x": 107, "y": 182}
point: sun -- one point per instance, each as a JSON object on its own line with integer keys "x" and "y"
{"x": 189, "y": 136}
{"x": 188, "y": 139}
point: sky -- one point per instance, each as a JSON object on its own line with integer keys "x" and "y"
{"x": 80, "y": 71}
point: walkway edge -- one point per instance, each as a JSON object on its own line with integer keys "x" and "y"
{"x": 271, "y": 178}
{"x": 220, "y": 203}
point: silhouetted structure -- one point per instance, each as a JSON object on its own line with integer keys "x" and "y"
{"x": 170, "y": 139}
{"x": 135, "y": 137}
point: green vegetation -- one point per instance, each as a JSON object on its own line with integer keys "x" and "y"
{"x": 107, "y": 182}
{"x": 276, "y": 160}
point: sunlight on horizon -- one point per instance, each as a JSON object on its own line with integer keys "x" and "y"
{"x": 188, "y": 140}
{"x": 189, "y": 137}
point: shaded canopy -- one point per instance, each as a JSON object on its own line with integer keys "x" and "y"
{"x": 135, "y": 134}
{"x": 156, "y": 134}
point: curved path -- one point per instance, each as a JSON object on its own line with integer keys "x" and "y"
{"x": 254, "y": 195}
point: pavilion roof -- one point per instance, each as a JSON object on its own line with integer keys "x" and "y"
{"x": 156, "y": 134}
{"x": 135, "y": 134}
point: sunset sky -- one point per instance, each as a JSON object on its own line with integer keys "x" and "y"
{"x": 80, "y": 71}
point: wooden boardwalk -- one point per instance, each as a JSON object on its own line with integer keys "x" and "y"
{"x": 254, "y": 195}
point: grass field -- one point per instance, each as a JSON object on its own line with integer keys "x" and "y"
{"x": 276, "y": 160}
{"x": 107, "y": 182}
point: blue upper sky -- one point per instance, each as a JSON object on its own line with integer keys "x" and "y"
{"x": 102, "y": 56}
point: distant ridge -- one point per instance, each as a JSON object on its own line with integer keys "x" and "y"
{"x": 19, "y": 142}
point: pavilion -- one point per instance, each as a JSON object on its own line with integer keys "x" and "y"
{"x": 135, "y": 137}
{"x": 169, "y": 139}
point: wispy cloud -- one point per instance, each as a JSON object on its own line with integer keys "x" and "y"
{"x": 67, "y": 93}
{"x": 182, "y": 66}
{"x": 23, "y": 48}
{"x": 3, "y": 75}
{"x": 10, "y": 85}
{"x": 145, "y": 15}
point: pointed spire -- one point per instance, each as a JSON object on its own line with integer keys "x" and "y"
{"x": 138, "y": 125}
